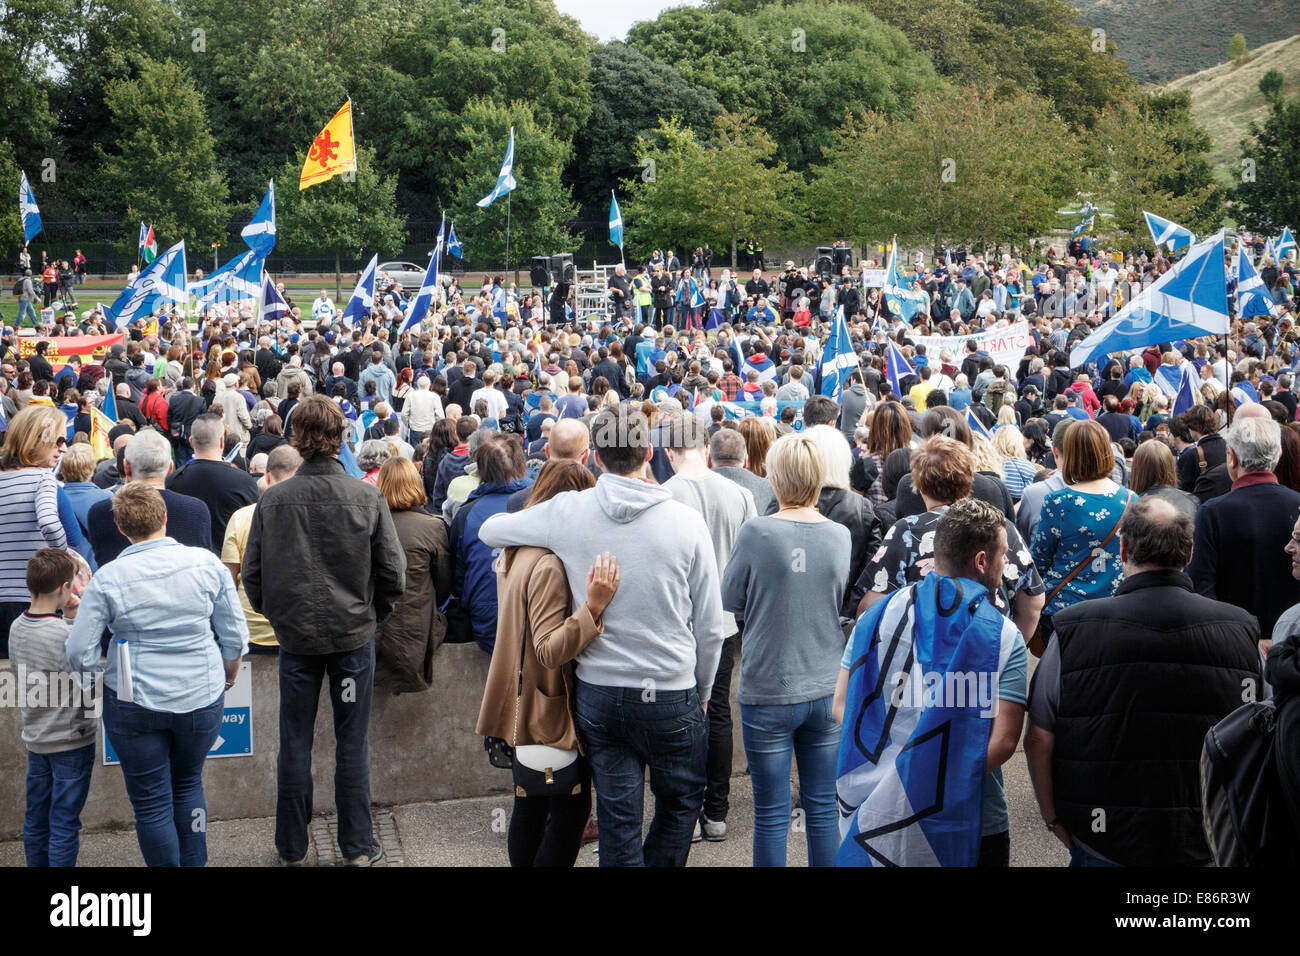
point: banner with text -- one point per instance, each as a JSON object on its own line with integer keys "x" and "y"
{"x": 1005, "y": 346}
{"x": 91, "y": 348}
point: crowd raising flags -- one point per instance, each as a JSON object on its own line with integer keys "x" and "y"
{"x": 241, "y": 276}
{"x": 27, "y": 211}
{"x": 333, "y": 151}
{"x": 162, "y": 282}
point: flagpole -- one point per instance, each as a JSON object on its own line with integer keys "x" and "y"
{"x": 508, "y": 236}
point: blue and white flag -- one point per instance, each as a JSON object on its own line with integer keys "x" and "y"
{"x": 1253, "y": 297}
{"x": 838, "y": 358}
{"x": 976, "y": 426}
{"x": 505, "y": 179}
{"x": 1087, "y": 215}
{"x": 759, "y": 362}
{"x": 235, "y": 452}
{"x": 902, "y": 299}
{"x": 419, "y": 308}
{"x": 239, "y": 278}
{"x": 1164, "y": 232}
{"x": 273, "y": 306}
{"x": 1285, "y": 246}
{"x": 348, "y": 459}
{"x": 615, "y": 222}
{"x": 918, "y": 712}
{"x": 161, "y": 283}
{"x": 363, "y": 296}
{"x": 1168, "y": 378}
{"x": 454, "y": 245}
{"x": 28, "y": 211}
{"x": 1186, "y": 396}
{"x": 1188, "y": 301}
{"x": 259, "y": 235}
{"x": 897, "y": 367}
{"x": 880, "y": 325}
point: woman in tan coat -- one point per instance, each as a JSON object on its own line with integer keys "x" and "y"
{"x": 406, "y": 639}
{"x": 528, "y": 697}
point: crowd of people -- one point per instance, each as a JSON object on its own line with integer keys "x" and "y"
{"x": 619, "y": 510}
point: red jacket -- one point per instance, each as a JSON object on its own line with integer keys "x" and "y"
{"x": 1087, "y": 398}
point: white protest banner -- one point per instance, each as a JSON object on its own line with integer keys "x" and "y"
{"x": 1006, "y": 346}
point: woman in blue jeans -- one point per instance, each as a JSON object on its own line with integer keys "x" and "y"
{"x": 785, "y": 578}
{"x": 163, "y": 698}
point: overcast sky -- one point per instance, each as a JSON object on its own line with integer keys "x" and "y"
{"x": 610, "y": 19}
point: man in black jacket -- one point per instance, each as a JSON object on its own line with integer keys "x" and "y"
{"x": 324, "y": 565}
{"x": 1123, "y": 696}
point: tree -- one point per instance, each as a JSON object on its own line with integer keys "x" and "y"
{"x": 1268, "y": 196}
{"x": 962, "y": 166}
{"x": 540, "y": 206}
{"x": 353, "y": 214}
{"x": 1237, "y": 49}
{"x": 1193, "y": 175}
{"x": 11, "y": 227}
{"x": 161, "y": 165}
{"x": 1270, "y": 84}
{"x": 717, "y": 191}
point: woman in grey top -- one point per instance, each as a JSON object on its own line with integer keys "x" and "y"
{"x": 785, "y": 578}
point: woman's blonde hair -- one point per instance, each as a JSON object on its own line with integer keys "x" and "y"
{"x": 32, "y": 436}
{"x": 837, "y": 457}
{"x": 1007, "y": 414}
{"x": 78, "y": 463}
{"x": 1009, "y": 442}
{"x": 986, "y": 459}
{"x": 401, "y": 484}
{"x": 795, "y": 466}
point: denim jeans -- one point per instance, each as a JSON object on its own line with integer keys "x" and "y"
{"x": 625, "y": 733}
{"x": 717, "y": 790}
{"x": 772, "y": 734}
{"x": 1081, "y": 857}
{"x": 26, "y": 308}
{"x": 352, "y": 683}
{"x": 162, "y": 758}
{"x": 57, "y": 785}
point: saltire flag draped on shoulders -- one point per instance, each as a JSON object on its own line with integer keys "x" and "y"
{"x": 910, "y": 782}
{"x": 148, "y": 250}
{"x": 454, "y": 245}
{"x": 615, "y": 222}
{"x": 1285, "y": 245}
{"x": 897, "y": 367}
{"x": 428, "y": 288}
{"x": 838, "y": 359}
{"x": 505, "y": 179}
{"x": 1164, "y": 232}
{"x": 902, "y": 299}
{"x": 1253, "y": 297}
{"x": 1186, "y": 396}
{"x": 333, "y": 151}
{"x": 28, "y": 211}
{"x": 239, "y": 278}
{"x": 1188, "y": 301}
{"x": 363, "y": 296}
{"x": 1168, "y": 378}
{"x": 273, "y": 306}
{"x": 161, "y": 283}
{"x": 759, "y": 362}
{"x": 259, "y": 235}
{"x": 976, "y": 426}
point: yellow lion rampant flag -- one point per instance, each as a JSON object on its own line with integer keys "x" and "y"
{"x": 333, "y": 151}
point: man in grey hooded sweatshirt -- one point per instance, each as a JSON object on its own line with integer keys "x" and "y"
{"x": 642, "y": 682}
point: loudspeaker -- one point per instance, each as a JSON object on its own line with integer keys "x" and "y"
{"x": 541, "y": 272}
{"x": 562, "y": 268}
{"x": 824, "y": 266}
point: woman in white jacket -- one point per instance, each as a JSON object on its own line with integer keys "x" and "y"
{"x": 422, "y": 408}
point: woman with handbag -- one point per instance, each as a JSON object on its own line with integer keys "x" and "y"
{"x": 1076, "y": 542}
{"x": 528, "y": 696}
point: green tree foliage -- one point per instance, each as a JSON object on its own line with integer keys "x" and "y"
{"x": 1268, "y": 196}
{"x": 160, "y": 164}
{"x": 1193, "y": 175}
{"x": 961, "y": 166}
{"x": 798, "y": 68}
{"x": 353, "y": 215}
{"x": 1237, "y": 49}
{"x": 540, "y": 205}
{"x": 717, "y": 191}
{"x": 28, "y": 119}
{"x": 629, "y": 93}
{"x": 11, "y": 228}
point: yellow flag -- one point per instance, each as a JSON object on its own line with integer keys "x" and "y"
{"x": 333, "y": 151}
{"x": 100, "y": 426}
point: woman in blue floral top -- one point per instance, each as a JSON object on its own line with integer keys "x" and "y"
{"x": 1077, "y": 521}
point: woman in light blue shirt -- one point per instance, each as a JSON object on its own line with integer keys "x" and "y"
{"x": 164, "y": 698}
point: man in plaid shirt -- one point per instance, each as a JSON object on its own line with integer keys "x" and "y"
{"x": 730, "y": 382}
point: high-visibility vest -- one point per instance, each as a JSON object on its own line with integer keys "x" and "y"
{"x": 641, "y": 290}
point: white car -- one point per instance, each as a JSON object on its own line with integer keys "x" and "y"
{"x": 408, "y": 273}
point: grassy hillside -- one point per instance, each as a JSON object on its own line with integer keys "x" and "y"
{"x": 1162, "y": 39}
{"x": 1226, "y": 98}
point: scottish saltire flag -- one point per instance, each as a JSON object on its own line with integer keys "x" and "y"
{"x": 1168, "y": 378}
{"x": 235, "y": 452}
{"x": 505, "y": 179}
{"x": 109, "y": 406}
{"x": 1186, "y": 396}
{"x": 239, "y": 278}
{"x": 977, "y": 426}
{"x": 28, "y": 211}
{"x": 759, "y": 362}
{"x": 1087, "y": 215}
{"x": 161, "y": 283}
{"x": 880, "y": 325}
{"x": 259, "y": 235}
{"x": 1285, "y": 245}
{"x": 615, "y": 222}
{"x": 897, "y": 367}
{"x": 1253, "y": 297}
{"x": 273, "y": 308}
{"x": 148, "y": 250}
{"x": 902, "y": 299}
{"x": 1188, "y": 301}
{"x": 363, "y": 296}
{"x": 1164, "y": 232}
{"x": 838, "y": 359}
{"x": 454, "y": 245}
{"x": 428, "y": 288}
{"x": 918, "y": 712}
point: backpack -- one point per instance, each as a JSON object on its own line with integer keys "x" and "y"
{"x": 1243, "y": 809}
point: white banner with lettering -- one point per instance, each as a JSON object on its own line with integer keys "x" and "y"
{"x": 1006, "y": 346}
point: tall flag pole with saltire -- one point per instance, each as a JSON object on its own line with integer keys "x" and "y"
{"x": 273, "y": 307}
{"x": 505, "y": 186}
{"x": 161, "y": 282}
{"x": 28, "y": 211}
{"x": 333, "y": 151}
{"x": 1166, "y": 233}
{"x": 239, "y": 278}
{"x": 897, "y": 367}
{"x": 148, "y": 244}
{"x": 839, "y": 359}
{"x": 615, "y": 224}
{"x": 902, "y": 299}
{"x": 1253, "y": 298}
{"x": 259, "y": 235}
{"x": 454, "y": 245}
{"x": 363, "y": 296}
{"x": 428, "y": 288}
{"x": 1285, "y": 245}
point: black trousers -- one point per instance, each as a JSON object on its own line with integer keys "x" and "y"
{"x": 717, "y": 788}
{"x": 547, "y": 831}
{"x": 995, "y": 850}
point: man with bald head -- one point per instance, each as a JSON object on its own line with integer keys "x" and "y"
{"x": 569, "y": 440}
{"x": 1124, "y": 694}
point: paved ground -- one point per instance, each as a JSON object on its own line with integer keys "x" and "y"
{"x": 472, "y": 833}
